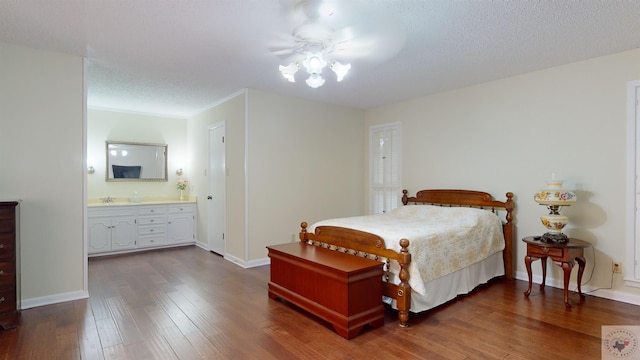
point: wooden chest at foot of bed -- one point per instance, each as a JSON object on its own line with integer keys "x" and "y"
{"x": 343, "y": 289}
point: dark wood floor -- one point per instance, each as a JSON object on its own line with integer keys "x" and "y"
{"x": 188, "y": 303}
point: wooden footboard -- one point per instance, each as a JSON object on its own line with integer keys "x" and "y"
{"x": 369, "y": 244}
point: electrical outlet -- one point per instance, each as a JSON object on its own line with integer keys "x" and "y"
{"x": 617, "y": 267}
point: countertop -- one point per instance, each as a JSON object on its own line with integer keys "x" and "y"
{"x": 124, "y": 201}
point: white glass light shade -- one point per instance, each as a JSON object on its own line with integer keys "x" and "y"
{"x": 314, "y": 63}
{"x": 555, "y": 195}
{"x": 340, "y": 70}
{"x": 554, "y": 223}
{"x": 289, "y": 71}
{"x": 315, "y": 81}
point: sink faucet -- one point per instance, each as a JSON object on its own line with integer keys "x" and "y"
{"x": 107, "y": 200}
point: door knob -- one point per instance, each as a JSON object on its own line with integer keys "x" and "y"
{"x": 210, "y": 197}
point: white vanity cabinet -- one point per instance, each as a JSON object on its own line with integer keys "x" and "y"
{"x": 152, "y": 225}
{"x": 111, "y": 229}
{"x": 181, "y": 221}
{"x": 124, "y": 228}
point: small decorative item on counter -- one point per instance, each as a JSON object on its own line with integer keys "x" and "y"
{"x": 135, "y": 197}
{"x": 182, "y": 185}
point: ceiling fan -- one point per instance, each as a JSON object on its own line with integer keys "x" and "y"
{"x": 329, "y": 31}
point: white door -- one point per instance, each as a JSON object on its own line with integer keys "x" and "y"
{"x": 216, "y": 216}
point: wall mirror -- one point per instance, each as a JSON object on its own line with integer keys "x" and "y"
{"x": 129, "y": 161}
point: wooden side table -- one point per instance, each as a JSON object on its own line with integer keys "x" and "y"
{"x": 562, "y": 254}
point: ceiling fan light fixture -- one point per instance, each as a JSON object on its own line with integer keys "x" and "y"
{"x": 289, "y": 71}
{"x": 314, "y": 63}
{"x": 341, "y": 70}
{"x": 315, "y": 81}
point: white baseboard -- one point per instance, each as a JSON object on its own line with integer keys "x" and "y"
{"x": 586, "y": 289}
{"x": 247, "y": 264}
{"x": 53, "y": 299}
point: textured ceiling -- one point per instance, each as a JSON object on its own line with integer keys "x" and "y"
{"x": 177, "y": 58}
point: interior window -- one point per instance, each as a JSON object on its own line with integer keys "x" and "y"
{"x": 385, "y": 147}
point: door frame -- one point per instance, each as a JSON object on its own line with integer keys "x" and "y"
{"x": 223, "y": 197}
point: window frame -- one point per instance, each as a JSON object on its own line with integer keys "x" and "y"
{"x": 632, "y": 273}
{"x": 397, "y": 147}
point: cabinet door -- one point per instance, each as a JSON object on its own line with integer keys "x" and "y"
{"x": 99, "y": 234}
{"x": 180, "y": 228}
{"x": 123, "y": 232}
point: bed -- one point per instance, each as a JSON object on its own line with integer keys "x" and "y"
{"x": 411, "y": 282}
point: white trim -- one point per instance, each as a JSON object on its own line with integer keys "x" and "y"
{"x": 143, "y": 113}
{"x": 53, "y": 299}
{"x": 246, "y": 175}
{"x": 397, "y": 125}
{"x": 247, "y": 264}
{"x": 632, "y": 282}
{"x": 85, "y": 221}
{"x": 218, "y": 102}
{"x": 631, "y": 206}
{"x": 219, "y": 124}
{"x": 202, "y": 246}
{"x": 586, "y": 289}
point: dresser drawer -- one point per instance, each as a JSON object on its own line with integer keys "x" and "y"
{"x": 7, "y": 246}
{"x": 7, "y": 274}
{"x": 542, "y": 251}
{"x": 7, "y": 221}
{"x": 151, "y": 229}
{"x": 152, "y": 210}
{"x": 7, "y": 298}
{"x": 178, "y": 209}
{"x": 151, "y": 240}
{"x": 152, "y": 220}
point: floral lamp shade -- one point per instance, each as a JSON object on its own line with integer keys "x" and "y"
{"x": 554, "y": 197}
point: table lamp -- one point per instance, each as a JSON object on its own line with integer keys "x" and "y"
{"x": 554, "y": 197}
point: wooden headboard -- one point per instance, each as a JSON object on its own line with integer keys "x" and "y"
{"x": 470, "y": 198}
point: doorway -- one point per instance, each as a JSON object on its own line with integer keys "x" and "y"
{"x": 216, "y": 199}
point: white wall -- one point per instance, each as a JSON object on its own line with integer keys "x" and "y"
{"x": 305, "y": 163}
{"x": 511, "y": 134}
{"x": 288, "y": 161}
{"x": 41, "y": 157}
{"x": 232, "y": 112}
{"x": 121, "y": 126}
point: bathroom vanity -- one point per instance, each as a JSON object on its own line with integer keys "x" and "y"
{"x": 125, "y": 227}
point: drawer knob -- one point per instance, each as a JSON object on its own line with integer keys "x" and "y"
{"x": 2, "y": 299}
{"x": 151, "y": 220}
{"x": 545, "y": 250}
{"x": 1, "y": 272}
{"x": 151, "y": 230}
{"x": 1, "y": 246}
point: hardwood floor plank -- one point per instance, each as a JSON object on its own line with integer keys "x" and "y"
{"x": 174, "y": 312}
{"x": 179, "y": 344}
{"x": 127, "y": 327}
{"x": 203, "y": 346}
{"x": 44, "y": 340}
{"x": 108, "y": 333}
{"x": 67, "y": 346}
{"x": 187, "y": 303}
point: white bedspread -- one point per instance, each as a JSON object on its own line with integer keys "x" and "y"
{"x": 442, "y": 239}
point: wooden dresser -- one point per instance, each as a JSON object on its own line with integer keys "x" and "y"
{"x": 9, "y": 257}
{"x": 342, "y": 289}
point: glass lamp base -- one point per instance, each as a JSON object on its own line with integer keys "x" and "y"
{"x": 556, "y": 237}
